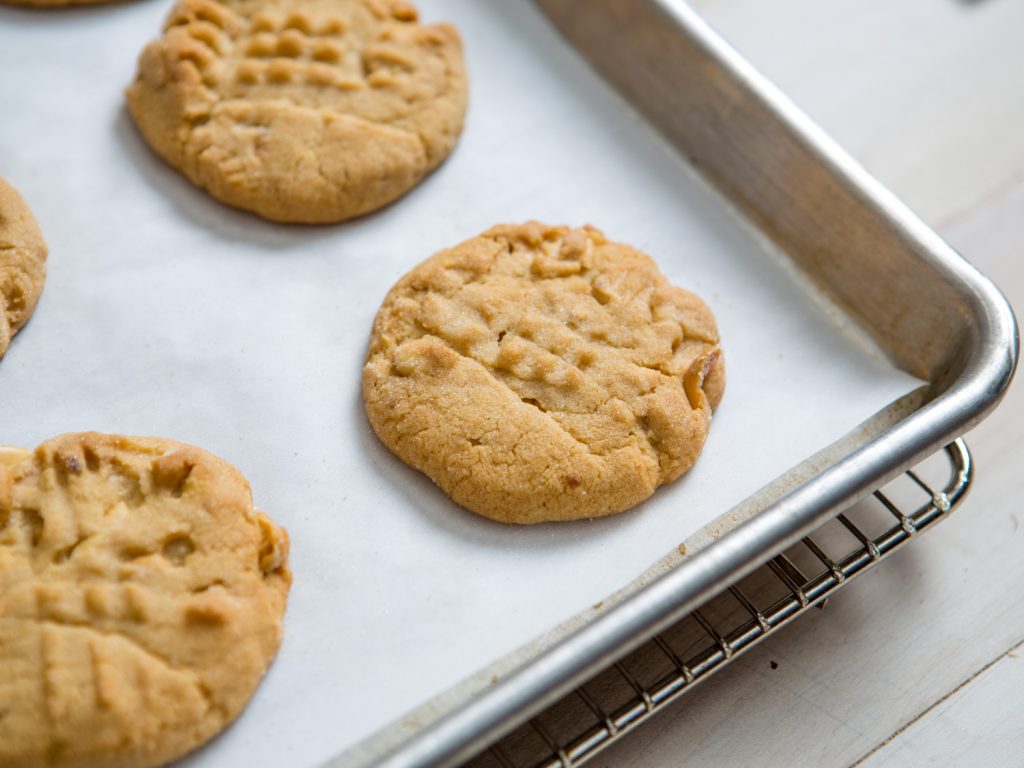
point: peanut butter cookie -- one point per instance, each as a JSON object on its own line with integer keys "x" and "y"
{"x": 542, "y": 373}
{"x": 301, "y": 110}
{"x": 22, "y": 264}
{"x": 141, "y": 599}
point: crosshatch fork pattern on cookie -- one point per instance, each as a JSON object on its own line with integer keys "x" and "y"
{"x": 311, "y": 112}
{"x": 290, "y": 56}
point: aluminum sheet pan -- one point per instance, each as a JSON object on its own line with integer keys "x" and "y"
{"x": 168, "y": 314}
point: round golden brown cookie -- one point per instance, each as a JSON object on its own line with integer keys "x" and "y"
{"x": 301, "y": 110}
{"x": 141, "y": 599}
{"x": 543, "y": 373}
{"x": 22, "y": 264}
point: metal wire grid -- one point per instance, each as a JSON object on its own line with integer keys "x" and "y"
{"x": 620, "y": 698}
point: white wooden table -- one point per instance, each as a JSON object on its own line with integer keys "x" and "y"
{"x": 922, "y": 661}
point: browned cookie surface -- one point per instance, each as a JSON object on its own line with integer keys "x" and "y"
{"x": 141, "y": 600}
{"x": 543, "y": 373}
{"x": 22, "y": 264}
{"x": 301, "y": 110}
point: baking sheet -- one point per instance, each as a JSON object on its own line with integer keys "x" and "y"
{"x": 168, "y": 314}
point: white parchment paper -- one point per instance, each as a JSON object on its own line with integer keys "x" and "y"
{"x": 167, "y": 314}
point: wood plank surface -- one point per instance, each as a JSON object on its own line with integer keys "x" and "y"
{"x": 971, "y": 725}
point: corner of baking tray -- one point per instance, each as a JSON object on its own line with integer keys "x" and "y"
{"x": 839, "y": 225}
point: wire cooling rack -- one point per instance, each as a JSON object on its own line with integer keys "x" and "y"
{"x": 620, "y": 698}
